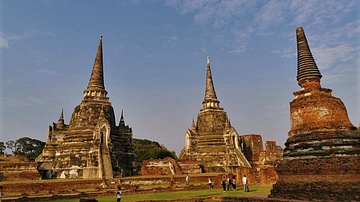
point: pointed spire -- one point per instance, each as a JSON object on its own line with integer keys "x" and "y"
{"x": 62, "y": 114}
{"x": 60, "y": 123}
{"x": 210, "y": 94}
{"x": 193, "y": 126}
{"x": 97, "y": 75}
{"x": 306, "y": 67}
{"x": 96, "y": 88}
{"x": 122, "y": 121}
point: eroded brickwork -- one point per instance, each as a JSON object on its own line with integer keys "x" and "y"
{"x": 262, "y": 161}
{"x": 14, "y": 168}
{"x": 169, "y": 166}
{"x": 322, "y": 154}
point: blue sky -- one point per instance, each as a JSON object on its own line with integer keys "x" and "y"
{"x": 155, "y": 61}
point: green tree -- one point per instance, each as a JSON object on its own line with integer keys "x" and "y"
{"x": 2, "y": 148}
{"x": 31, "y": 148}
{"x": 11, "y": 144}
{"x": 147, "y": 149}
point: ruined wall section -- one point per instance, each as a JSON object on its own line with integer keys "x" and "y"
{"x": 169, "y": 166}
{"x": 17, "y": 168}
{"x": 263, "y": 162}
{"x": 189, "y": 166}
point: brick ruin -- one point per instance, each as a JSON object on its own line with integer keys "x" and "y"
{"x": 262, "y": 170}
{"x": 262, "y": 161}
{"x": 322, "y": 154}
{"x": 91, "y": 145}
{"x": 169, "y": 166}
{"x": 17, "y": 168}
{"x": 213, "y": 145}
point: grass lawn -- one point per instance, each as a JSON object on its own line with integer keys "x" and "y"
{"x": 255, "y": 190}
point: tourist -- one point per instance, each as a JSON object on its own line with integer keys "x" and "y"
{"x": 229, "y": 184}
{"x": 234, "y": 183}
{"x": 246, "y": 185}
{"x": 1, "y": 187}
{"x": 210, "y": 183}
{"x": 187, "y": 179}
{"x": 223, "y": 183}
{"x": 118, "y": 194}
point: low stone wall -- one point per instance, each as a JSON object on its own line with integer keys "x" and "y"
{"x": 55, "y": 186}
{"x": 18, "y": 171}
{"x": 177, "y": 179}
{"x": 170, "y": 166}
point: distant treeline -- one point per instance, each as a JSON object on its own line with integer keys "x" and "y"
{"x": 25, "y": 146}
{"x": 32, "y": 148}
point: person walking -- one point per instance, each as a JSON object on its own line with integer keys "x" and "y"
{"x": 245, "y": 182}
{"x": 187, "y": 180}
{"x": 229, "y": 184}
{"x": 234, "y": 183}
{"x": 210, "y": 183}
{"x": 1, "y": 187}
{"x": 118, "y": 194}
{"x": 223, "y": 183}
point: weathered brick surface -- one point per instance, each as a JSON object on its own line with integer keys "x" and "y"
{"x": 322, "y": 154}
{"x": 319, "y": 190}
{"x": 18, "y": 171}
{"x": 263, "y": 162}
{"x": 327, "y": 166}
{"x": 317, "y": 111}
{"x": 51, "y": 186}
{"x": 166, "y": 166}
{"x": 169, "y": 166}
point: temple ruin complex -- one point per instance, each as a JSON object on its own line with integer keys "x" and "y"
{"x": 322, "y": 154}
{"x": 214, "y": 143}
{"x": 91, "y": 145}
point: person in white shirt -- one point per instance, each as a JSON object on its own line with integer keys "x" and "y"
{"x": 210, "y": 183}
{"x": 245, "y": 182}
{"x": 118, "y": 195}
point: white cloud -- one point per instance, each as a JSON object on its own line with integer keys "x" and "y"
{"x": 173, "y": 38}
{"x": 204, "y": 50}
{"x": 26, "y": 35}
{"x": 243, "y": 35}
{"x": 47, "y": 72}
{"x": 272, "y": 12}
{"x": 317, "y": 16}
{"x": 22, "y": 102}
{"x": 337, "y": 63}
{"x": 320, "y": 12}
{"x": 328, "y": 57}
{"x": 217, "y": 13}
{"x": 289, "y": 52}
{"x": 265, "y": 13}
{"x": 349, "y": 31}
{"x": 3, "y": 42}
